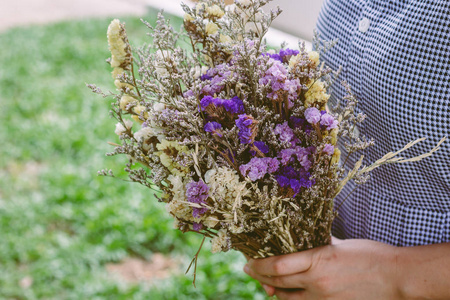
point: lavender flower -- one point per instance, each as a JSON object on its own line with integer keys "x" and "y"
{"x": 328, "y": 149}
{"x": 257, "y": 168}
{"x": 197, "y": 226}
{"x": 328, "y": 121}
{"x": 286, "y": 156}
{"x": 312, "y": 115}
{"x": 197, "y": 192}
{"x": 286, "y": 134}
{"x": 214, "y": 128}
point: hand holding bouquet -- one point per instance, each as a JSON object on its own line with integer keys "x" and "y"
{"x": 235, "y": 138}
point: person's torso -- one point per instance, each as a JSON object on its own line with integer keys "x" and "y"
{"x": 396, "y": 57}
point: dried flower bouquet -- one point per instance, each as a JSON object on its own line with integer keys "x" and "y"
{"x": 234, "y": 138}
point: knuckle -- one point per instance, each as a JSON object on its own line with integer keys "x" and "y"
{"x": 278, "y": 267}
{"x": 323, "y": 283}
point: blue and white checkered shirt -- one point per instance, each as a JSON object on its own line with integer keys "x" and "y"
{"x": 396, "y": 57}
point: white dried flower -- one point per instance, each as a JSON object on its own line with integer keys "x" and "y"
{"x": 158, "y": 106}
{"x": 178, "y": 206}
{"x": 220, "y": 242}
{"x": 209, "y": 174}
{"x": 120, "y": 129}
{"x": 143, "y": 135}
{"x": 244, "y": 2}
{"x": 225, "y": 185}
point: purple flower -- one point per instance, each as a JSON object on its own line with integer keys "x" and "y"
{"x": 233, "y": 106}
{"x": 188, "y": 93}
{"x": 257, "y": 168}
{"x": 246, "y": 125}
{"x": 197, "y": 192}
{"x": 286, "y": 156}
{"x": 297, "y": 122}
{"x": 205, "y": 77}
{"x": 328, "y": 149}
{"x": 206, "y": 101}
{"x": 289, "y": 172}
{"x": 328, "y": 121}
{"x": 272, "y": 164}
{"x": 261, "y": 147}
{"x": 286, "y": 54}
{"x": 312, "y": 115}
{"x": 295, "y": 186}
{"x": 282, "y": 181}
{"x": 285, "y": 133}
{"x": 276, "y": 76}
{"x": 197, "y": 226}
{"x": 214, "y": 128}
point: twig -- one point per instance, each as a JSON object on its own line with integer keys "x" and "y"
{"x": 194, "y": 261}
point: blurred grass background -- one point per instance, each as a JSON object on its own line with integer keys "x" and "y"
{"x": 60, "y": 224}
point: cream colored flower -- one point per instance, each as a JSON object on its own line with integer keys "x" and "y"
{"x": 188, "y": 17}
{"x": 316, "y": 94}
{"x": 314, "y": 57}
{"x": 294, "y": 60}
{"x": 117, "y": 44}
{"x": 125, "y": 100}
{"x": 201, "y": 6}
{"x": 211, "y": 28}
{"x": 215, "y": 11}
{"x": 178, "y": 206}
{"x": 333, "y": 135}
{"x": 220, "y": 242}
{"x": 168, "y": 150}
{"x": 336, "y": 156}
{"x": 143, "y": 135}
{"x": 117, "y": 71}
{"x": 225, "y": 39}
{"x": 120, "y": 129}
{"x": 122, "y": 85}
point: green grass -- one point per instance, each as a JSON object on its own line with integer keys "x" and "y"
{"x": 60, "y": 223}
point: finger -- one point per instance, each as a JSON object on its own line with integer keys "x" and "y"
{"x": 288, "y": 294}
{"x": 270, "y": 290}
{"x": 335, "y": 241}
{"x": 286, "y": 282}
{"x": 282, "y": 265}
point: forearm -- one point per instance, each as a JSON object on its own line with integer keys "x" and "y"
{"x": 423, "y": 272}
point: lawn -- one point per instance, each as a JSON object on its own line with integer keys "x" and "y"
{"x": 60, "y": 224}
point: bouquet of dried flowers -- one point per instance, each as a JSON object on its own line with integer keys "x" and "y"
{"x": 234, "y": 138}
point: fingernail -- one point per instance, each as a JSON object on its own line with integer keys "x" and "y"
{"x": 266, "y": 288}
{"x": 246, "y": 269}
